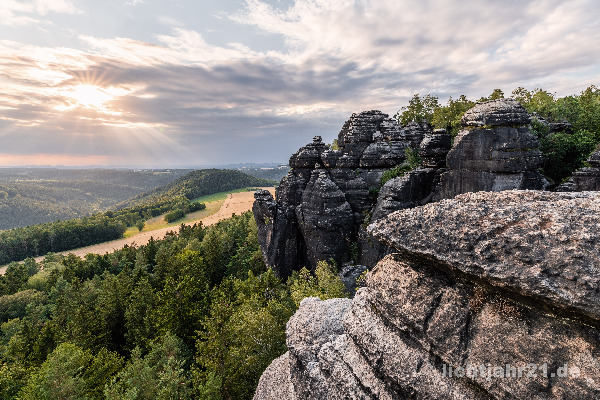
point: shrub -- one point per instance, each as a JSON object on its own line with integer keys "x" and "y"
{"x": 324, "y": 284}
{"x": 174, "y": 215}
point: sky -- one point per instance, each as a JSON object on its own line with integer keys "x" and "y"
{"x": 166, "y": 83}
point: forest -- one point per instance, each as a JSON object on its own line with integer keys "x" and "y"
{"x": 576, "y": 117}
{"x": 195, "y": 315}
{"x": 30, "y": 196}
{"x": 175, "y": 199}
{"x": 199, "y": 183}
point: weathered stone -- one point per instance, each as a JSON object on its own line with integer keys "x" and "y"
{"x": 323, "y": 363}
{"x": 391, "y": 130}
{"x": 308, "y": 155}
{"x": 360, "y": 127}
{"x": 414, "y": 133}
{"x": 502, "y": 149}
{"x": 501, "y": 112}
{"x": 329, "y": 158}
{"x": 542, "y": 245}
{"x": 306, "y": 214}
{"x": 414, "y": 321}
{"x": 275, "y": 381}
{"x": 383, "y": 154}
{"x": 407, "y": 191}
{"x": 281, "y": 242}
{"x": 326, "y": 220}
{"x": 492, "y": 159}
{"x": 456, "y": 182}
{"x": 434, "y": 148}
{"x": 355, "y": 189}
{"x": 491, "y": 296}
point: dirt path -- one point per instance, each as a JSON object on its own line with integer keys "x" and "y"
{"x": 237, "y": 203}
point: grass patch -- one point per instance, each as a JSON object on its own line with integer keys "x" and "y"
{"x": 213, "y": 204}
{"x": 221, "y": 195}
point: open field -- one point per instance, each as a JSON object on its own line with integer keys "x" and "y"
{"x": 236, "y": 202}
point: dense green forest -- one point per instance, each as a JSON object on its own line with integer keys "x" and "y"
{"x": 200, "y": 183}
{"x": 195, "y": 315}
{"x": 270, "y": 173}
{"x": 173, "y": 199}
{"x": 30, "y": 196}
{"x": 564, "y": 151}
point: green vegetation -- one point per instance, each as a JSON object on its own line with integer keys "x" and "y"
{"x": 173, "y": 199}
{"x": 30, "y": 196}
{"x": 174, "y": 215}
{"x": 412, "y": 161}
{"x": 195, "y": 315}
{"x": 418, "y": 109}
{"x": 18, "y": 244}
{"x": 324, "y": 284}
{"x": 269, "y": 173}
{"x": 199, "y": 183}
{"x": 222, "y": 195}
{"x": 563, "y": 152}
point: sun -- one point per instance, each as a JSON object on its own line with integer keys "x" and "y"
{"x": 90, "y": 96}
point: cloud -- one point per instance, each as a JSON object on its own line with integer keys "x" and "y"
{"x": 500, "y": 43}
{"x": 14, "y": 12}
{"x": 183, "y": 99}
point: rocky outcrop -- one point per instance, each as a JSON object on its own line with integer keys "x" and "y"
{"x": 495, "y": 151}
{"x": 586, "y": 178}
{"x": 434, "y": 148}
{"x": 324, "y": 204}
{"x": 488, "y": 296}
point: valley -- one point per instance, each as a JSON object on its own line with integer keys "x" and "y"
{"x": 218, "y": 210}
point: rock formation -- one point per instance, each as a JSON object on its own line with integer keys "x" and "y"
{"x": 328, "y": 198}
{"x": 488, "y": 296}
{"x": 586, "y": 178}
{"x": 495, "y": 151}
{"x": 323, "y": 202}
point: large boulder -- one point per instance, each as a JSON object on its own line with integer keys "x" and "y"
{"x": 500, "y": 112}
{"x": 494, "y": 151}
{"x": 489, "y": 296}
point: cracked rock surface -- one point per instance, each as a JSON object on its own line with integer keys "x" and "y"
{"x": 484, "y": 285}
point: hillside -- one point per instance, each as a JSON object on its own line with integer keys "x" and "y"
{"x": 198, "y": 183}
{"x": 173, "y": 199}
{"x": 271, "y": 173}
{"x": 30, "y": 196}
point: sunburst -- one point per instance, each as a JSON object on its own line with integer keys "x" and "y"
{"x": 90, "y": 96}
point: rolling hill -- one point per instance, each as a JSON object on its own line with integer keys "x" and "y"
{"x": 198, "y": 183}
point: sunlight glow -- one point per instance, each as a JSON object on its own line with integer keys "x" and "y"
{"x": 91, "y": 97}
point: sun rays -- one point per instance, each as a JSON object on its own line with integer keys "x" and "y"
{"x": 88, "y": 96}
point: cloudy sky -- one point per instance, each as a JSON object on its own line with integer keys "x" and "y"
{"x": 199, "y": 82}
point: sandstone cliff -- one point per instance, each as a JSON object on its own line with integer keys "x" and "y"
{"x": 487, "y": 296}
{"x": 324, "y": 204}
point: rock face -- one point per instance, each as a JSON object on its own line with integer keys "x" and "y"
{"x": 488, "y": 296}
{"x": 330, "y": 196}
{"x": 495, "y": 151}
{"x": 586, "y": 178}
{"x": 324, "y": 201}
